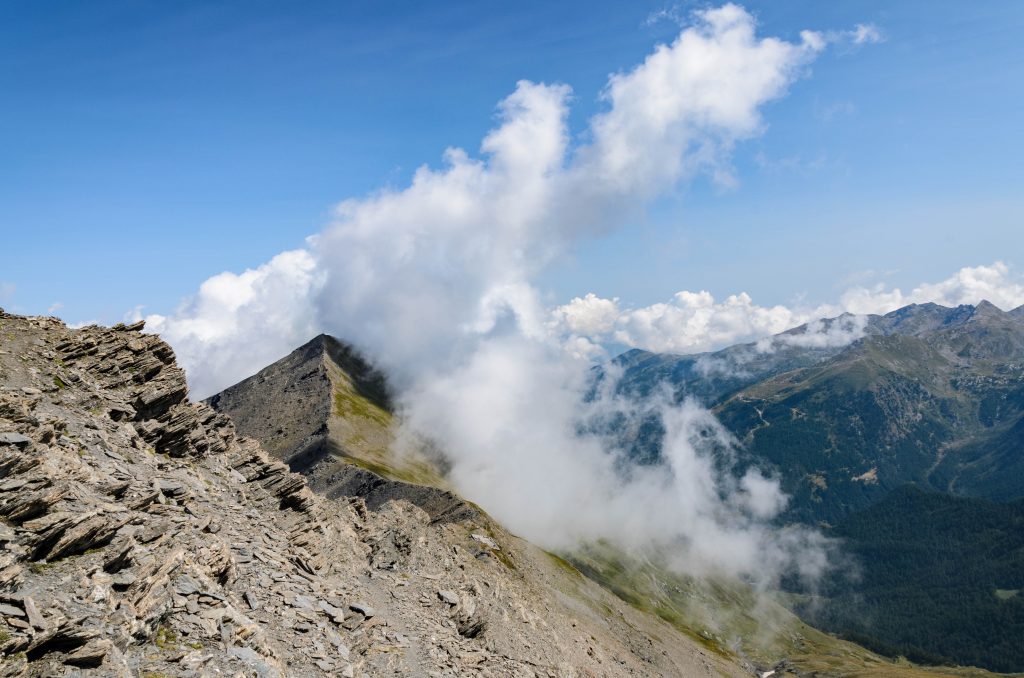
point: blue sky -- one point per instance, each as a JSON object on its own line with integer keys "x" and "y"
{"x": 147, "y": 146}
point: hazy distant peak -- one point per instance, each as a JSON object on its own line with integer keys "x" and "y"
{"x": 985, "y": 307}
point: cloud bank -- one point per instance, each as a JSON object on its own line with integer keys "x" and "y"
{"x": 693, "y": 322}
{"x": 969, "y": 285}
{"x": 435, "y": 283}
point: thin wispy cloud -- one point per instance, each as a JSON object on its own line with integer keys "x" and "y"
{"x": 676, "y": 13}
{"x": 866, "y": 34}
{"x": 835, "y": 110}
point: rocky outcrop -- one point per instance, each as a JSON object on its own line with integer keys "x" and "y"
{"x": 326, "y": 412}
{"x": 136, "y": 524}
{"x": 141, "y": 536}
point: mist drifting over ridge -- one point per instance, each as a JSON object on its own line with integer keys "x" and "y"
{"x": 436, "y": 282}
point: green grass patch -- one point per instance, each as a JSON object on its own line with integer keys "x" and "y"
{"x": 411, "y": 475}
{"x": 165, "y": 639}
{"x": 348, "y": 403}
{"x": 564, "y": 565}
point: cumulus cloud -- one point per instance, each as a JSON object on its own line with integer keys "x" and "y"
{"x": 686, "y": 106}
{"x": 419, "y": 274}
{"x": 969, "y": 285}
{"x": 694, "y": 319}
{"x": 693, "y": 322}
{"x": 589, "y": 315}
{"x": 435, "y": 282}
{"x": 236, "y": 321}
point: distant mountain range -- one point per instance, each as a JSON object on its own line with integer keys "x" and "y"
{"x": 907, "y": 443}
{"x": 929, "y": 395}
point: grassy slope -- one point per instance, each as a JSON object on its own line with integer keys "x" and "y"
{"x": 729, "y": 619}
{"x": 366, "y": 432}
{"x": 894, "y": 407}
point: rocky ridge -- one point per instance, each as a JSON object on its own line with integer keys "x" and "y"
{"x": 141, "y": 536}
{"x": 327, "y": 413}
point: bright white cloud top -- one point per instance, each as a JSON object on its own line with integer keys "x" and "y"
{"x": 693, "y": 322}
{"x": 414, "y": 274}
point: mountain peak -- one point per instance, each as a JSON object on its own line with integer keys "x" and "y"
{"x": 289, "y": 404}
{"x": 918, "y": 319}
{"x": 986, "y": 308}
{"x": 326, "y": 411}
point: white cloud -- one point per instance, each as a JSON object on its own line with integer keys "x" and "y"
{"x": 589, "y": 315}
{"x": 819, "y": 333}
{"x": 686, "y": 106}
{"x": 690, "y": 322}
{"x": 419, "y": 273}
{"x": 866, "y": 34}
{"x": 693, "y": 322}
{"x": 237, "y": 321}
{"x": 134, "y": 315}
{"x": 672, "y": 13}
{"x": 969, "y": 285}
{"x": 854, "y": 38}
{"x": 435, "y": 281}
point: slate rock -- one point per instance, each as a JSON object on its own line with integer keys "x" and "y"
{"x": 16, "y": 439}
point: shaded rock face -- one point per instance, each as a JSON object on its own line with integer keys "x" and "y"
{"x": 141, "y": 536}
{"x": 326, "y": 412}
{"x": 286, "y": 406}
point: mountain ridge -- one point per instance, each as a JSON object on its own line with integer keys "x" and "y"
{"x": 326, "y": 412}
{"x": 742, "y": 364}
{"x": 930, "y": 396}
{"x": 143, "y": 536}
{"x": 941, "y": 384}
{"x": 719, "y": 615}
